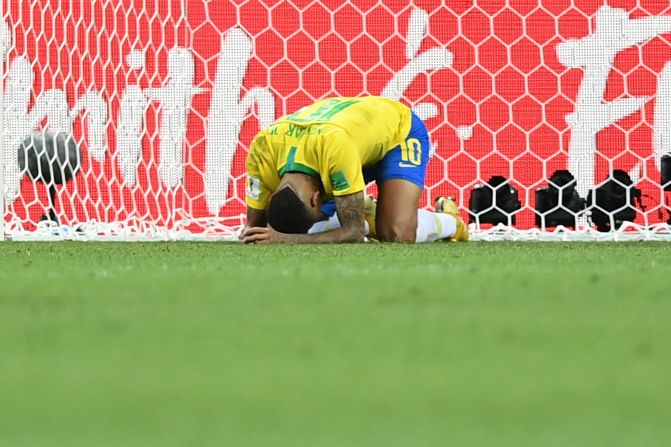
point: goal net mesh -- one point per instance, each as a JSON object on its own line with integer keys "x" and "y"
{"x": 130, "y": 119}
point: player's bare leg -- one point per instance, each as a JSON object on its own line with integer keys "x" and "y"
{"x": 443, "y": 224}
{"x": 396, "y": 219}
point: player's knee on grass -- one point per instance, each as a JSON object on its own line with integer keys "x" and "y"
{"x": 396, "y": 230}
{"x": 396, "y": 216}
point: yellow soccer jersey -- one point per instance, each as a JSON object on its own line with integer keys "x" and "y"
{"x": 332, "y": 139}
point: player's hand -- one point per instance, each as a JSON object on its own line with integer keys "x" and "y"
{"x": 260, "y": 235}
{"x": 242, "y": 232}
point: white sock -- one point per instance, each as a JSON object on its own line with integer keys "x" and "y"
{"x": 434, "y": 226}
{"x": 331, "y": 224}
{"x": 325, "y": 225}
{"x": 430, "y": 226}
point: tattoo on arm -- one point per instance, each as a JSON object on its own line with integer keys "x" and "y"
{"x": 350, "y": 214}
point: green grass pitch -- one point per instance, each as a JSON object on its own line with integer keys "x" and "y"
{"x": 187, "y": 344}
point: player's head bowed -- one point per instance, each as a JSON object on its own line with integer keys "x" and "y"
{"x": 295, "y": 206}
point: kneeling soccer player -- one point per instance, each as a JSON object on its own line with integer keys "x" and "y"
{"x": 331, "y": 149}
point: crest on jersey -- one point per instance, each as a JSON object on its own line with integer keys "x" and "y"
{"x": 253, "y": 187}
{"x": 339, "y": 181}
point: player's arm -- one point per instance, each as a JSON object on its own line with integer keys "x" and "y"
{"x": 256, "y": 192}
{"x": 350, "y": 213}
{"x": 255, "y": 218}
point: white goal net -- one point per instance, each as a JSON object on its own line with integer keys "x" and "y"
{"x": 130, "y": 119}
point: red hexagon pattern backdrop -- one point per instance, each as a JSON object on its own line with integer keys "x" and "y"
{"x": 164, "y": 96}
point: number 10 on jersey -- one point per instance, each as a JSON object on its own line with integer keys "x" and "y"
{"x": 411, "y": 151}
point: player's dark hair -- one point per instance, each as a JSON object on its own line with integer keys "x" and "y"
{"x": 287, "y": 213}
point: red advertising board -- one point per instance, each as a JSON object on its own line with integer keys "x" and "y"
{"x": 164, "y": 96}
